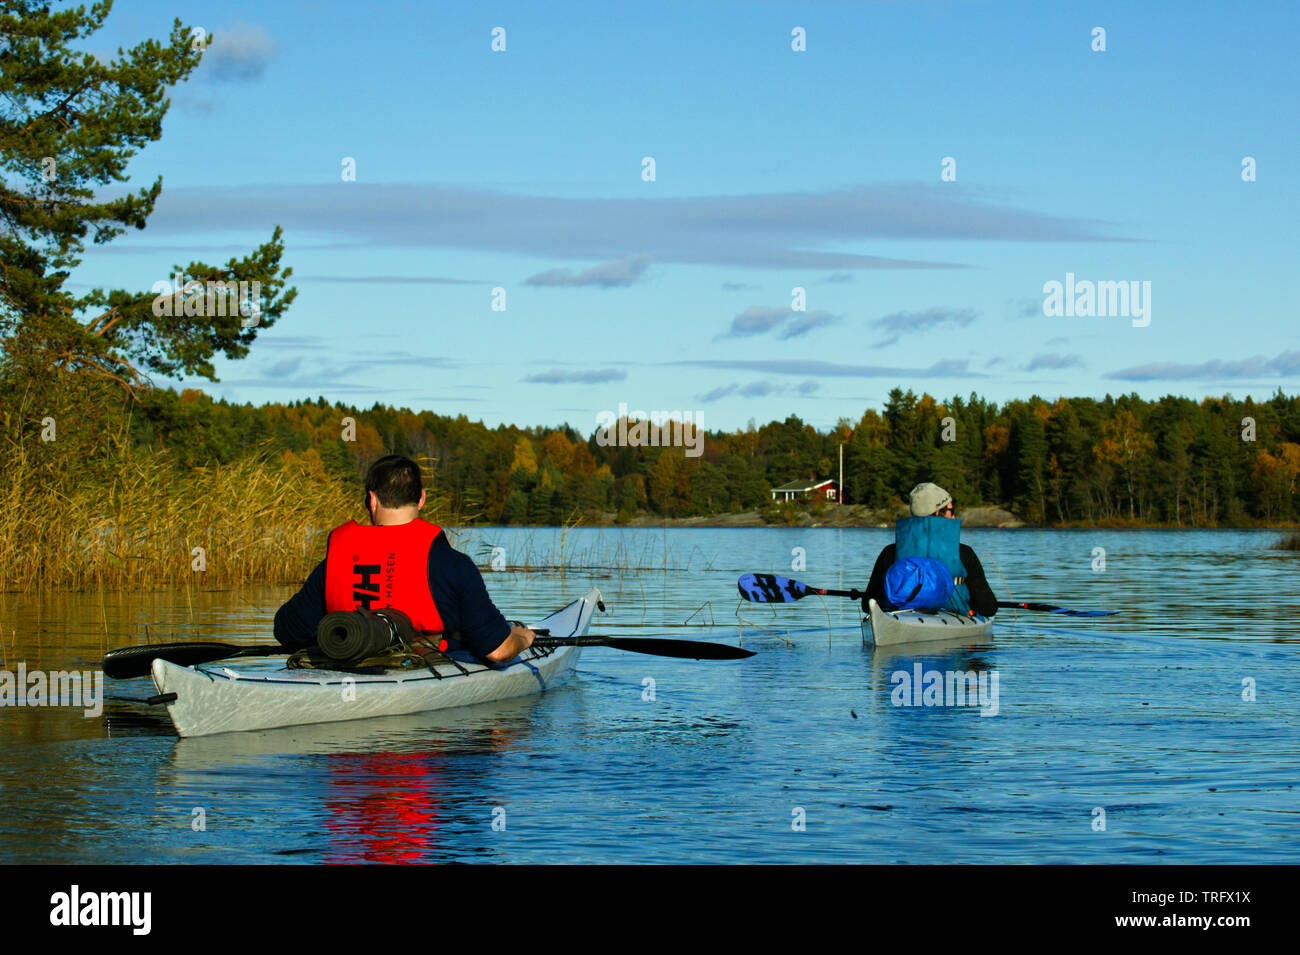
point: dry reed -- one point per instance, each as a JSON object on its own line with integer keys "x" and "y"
{"x": 141, "y": 525}
{"x": 1290, "y": 542}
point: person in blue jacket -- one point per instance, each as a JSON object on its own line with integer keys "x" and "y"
{"x": 933, "y": 530}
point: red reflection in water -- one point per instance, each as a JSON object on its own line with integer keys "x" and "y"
{"x": 384, "y": 806}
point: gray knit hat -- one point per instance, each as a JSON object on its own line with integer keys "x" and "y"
{"x": 928, "y": 498}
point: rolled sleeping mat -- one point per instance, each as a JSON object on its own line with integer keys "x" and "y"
{"x": 353, "y": 635}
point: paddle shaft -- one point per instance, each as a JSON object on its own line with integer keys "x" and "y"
{"x": 687, "y": 649}
{"x": 772, "y": 588}
{"x": 1051, "y": 608}
{"x": 130, "y": 662}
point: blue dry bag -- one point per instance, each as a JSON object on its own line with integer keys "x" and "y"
{"x": 918, "y": 583}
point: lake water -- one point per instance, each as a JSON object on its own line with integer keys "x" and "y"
{"x": 795, "y": 755}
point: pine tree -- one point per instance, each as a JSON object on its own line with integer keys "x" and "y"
{"x": 69, "y": 123}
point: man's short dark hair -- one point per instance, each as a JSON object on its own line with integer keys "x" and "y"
{"x": 396, "y": 481}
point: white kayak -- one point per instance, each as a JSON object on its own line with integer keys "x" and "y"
{"x": 888, "y": 627}
{"x": 218, "y": 699}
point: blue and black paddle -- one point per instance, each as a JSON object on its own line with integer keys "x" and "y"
{"x": 772, "y": 588}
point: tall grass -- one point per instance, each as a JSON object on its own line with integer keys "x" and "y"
{"x": 1290, "y": 542}
{"x": 621, "y": 552}
{"x": 140, "y": 524}
{"x": 85, "y": 505}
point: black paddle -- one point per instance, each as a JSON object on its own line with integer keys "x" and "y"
{"x": 772, "y": 588}
{"x": 129, "y": 662}
{"x": 1050, "y": 608}
{"x": 690, "y": 649}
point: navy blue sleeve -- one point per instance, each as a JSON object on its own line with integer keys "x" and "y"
{"x": 982, "y": 599}
{"x": 296, "y": 621}
{"x": 468, "y": 613}
{"x": 876, "y": 586}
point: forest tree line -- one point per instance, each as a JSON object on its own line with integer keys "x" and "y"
{"x": 1174, "y": 461}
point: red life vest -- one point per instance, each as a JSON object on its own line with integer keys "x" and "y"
{"x": 382, "y": 566}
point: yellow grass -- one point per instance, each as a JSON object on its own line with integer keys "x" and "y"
{"x": 140, "y": 524}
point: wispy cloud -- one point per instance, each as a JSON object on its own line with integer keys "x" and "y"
{"x": 1025, "y": 308}
{"x": 239, "y": 53}
{"x": 758, "y": 389}
{"x": 454, "y": 399}
{"x": 897, "y": 324}
{"x": 579, "y": 376}
{"x": 312, "y": 388}
{"x": 618, "y": 274}
{"x": 387, "y": 280}
{"x": 362, "y": 373}
{"x": 825, "y": 369}
{"x": 717, "y": 393}
{"x": 1284, "y": 365}
{"x": 284, "y": 369}
{"x": 758, "y": 319}
{"x": 365, "y": 363}
{"x": 1053, "y": 360}
{"x": 764, "y": 231}
{"x": 806, "y": 322}
{"x": 296, "y": 342}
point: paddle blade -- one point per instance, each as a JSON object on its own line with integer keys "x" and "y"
{"x": 771, "y": 589}
{"x": 688, "y": 649}
{"x": 136, "y": 661}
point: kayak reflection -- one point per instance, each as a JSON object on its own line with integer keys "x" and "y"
{"x": 948, "y": 675}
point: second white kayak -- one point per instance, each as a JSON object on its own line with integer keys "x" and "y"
{"x": 885, "y": 628}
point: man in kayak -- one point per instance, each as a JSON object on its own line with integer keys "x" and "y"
{"x": 405, "y": 563}
{"x": 933, "y": 531}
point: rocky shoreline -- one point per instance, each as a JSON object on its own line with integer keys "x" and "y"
{"x": 844, "y": 516}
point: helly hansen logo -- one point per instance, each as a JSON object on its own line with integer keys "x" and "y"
{"x": 365, "y": 584}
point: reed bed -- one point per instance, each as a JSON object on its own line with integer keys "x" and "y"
{"x": 142, "y": 525}
{"x": 621, "y": 552}
{"x": 1289, "y": 542}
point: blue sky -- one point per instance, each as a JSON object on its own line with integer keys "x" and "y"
{"x": 774, "y": 169}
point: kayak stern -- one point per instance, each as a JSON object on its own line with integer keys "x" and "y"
{"x": 883, "y": 628}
